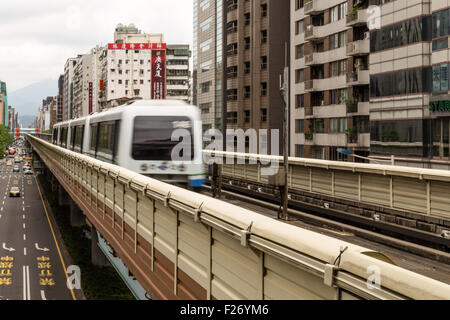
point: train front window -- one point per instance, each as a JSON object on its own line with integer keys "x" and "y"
{"x": 152, "y": 138}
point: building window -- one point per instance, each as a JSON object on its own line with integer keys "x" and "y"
{"x": 264, "y": 10}
{"x": 246, "y": 92}
{"x": 232, "y": 94}
{"x": 299, "y": 75}
{"x": 247, "y": 116}
{"x": 205, "y": 108}
{"x": 318, "y": 125}
{"x": 263, "y": 115}
{"x": 247, "y": 43}
{"x": 298, "y": 4}
{"x": 232, "y": 26}
{"x": 232, "y": 5}
{"x": 338, "y": 125}
{"x": 231, "y": 117}
{"x": 299, "y": 101}
{"x": 247, "y": 67}
{"x": 232, "y": 49}
{"x": 299, "y": 51}
{"x": 263, "y": 89}
{"x": 232, "y": 72}
{"x": 263, "y": 62}
{"x": 299, "y": 27}
{"x": 247, "y": 18}
{"x": 299, "y": 126}
{"x": 299, "y": 150}
{"x": 204, "y": 87}
{"x": 263, "y": 36}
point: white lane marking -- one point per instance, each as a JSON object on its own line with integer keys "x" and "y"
{"x": 23, "y": 217}
{"x": 23, "y": 208}
{"x": 41, "y": 249}
{"x": 24, "y": 237}
{"x": 26, "y": 283}
{"x": 43, "y": 295}
{"x": 24, "y": 251}
{"x": 1, "y": 209}
{"x": 8, "y": 249}
{"x": 24, "y": 225}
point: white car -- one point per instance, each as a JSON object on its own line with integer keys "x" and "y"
{"x": 28, "y": 171}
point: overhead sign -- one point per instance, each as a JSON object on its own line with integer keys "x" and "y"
{"x": 137, "y": 46}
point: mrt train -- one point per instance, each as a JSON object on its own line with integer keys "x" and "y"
{"x": 138, "y": 136}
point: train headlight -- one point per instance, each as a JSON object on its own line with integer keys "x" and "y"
{"x": 182, "y": 168}
{"x": 144, "y": 167}
{"x": 173, "y": 167}
{"x": 153, "y": 166}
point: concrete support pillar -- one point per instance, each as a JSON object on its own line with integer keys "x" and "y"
{"x": 77, "y": 218}
{"x": 97, "y": 257}
{"x": 63, "y": 197}
{"x": 55, "y": 184}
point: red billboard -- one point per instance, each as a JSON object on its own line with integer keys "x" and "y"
{"x": 136, "y": 46}
{"x": 158, "y": 74}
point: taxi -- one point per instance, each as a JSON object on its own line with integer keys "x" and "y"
{"x": 14, "y": 192}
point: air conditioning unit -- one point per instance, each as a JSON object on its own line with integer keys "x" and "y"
{"x": 366, "y": 35}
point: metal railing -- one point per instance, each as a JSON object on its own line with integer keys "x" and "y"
{"x": 180, "y": 244}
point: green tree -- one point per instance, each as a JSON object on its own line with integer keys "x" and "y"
{"x": 5, "y": 140}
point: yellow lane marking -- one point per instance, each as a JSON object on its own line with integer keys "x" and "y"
{"x": 54, "y": 238}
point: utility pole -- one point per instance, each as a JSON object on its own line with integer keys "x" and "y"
{"x": 284, "y": 90}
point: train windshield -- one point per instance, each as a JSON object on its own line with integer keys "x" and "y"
{"x": 152, "y": 138}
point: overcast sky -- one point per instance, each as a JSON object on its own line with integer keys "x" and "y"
{"x": 37, "y": 36}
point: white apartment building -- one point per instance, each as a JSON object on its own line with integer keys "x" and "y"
{"x": 178, "y": 75}
{"x": 69, "y": 70}
{"x": 125, "y": 69}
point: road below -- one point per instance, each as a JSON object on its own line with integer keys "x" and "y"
{"x": 31, "y": 266}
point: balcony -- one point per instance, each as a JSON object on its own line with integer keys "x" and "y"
{"x": 357, "y": 17}
{"x": 313, "y": 7}
{"x": 309, "y": 85}
{"x": 315, "y": 32}
{"x": 359, "y": 77}
{"x": 309, "y": 59}
{"x": 358, "y": 48}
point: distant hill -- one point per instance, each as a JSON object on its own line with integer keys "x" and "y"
{"x": 27, "y": 100}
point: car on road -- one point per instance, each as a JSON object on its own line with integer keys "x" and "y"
{"x": 17, "y": 160}
{"x": 14, "y": 192}
{"x": 28, "y": 171}
{"x": 16, "y": 169}
{"x": 25, "y": 167}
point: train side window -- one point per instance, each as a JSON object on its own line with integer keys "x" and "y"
{"x": 78, "y": 139}
{"x": 106, "y": 138}
{"x": 64, "y": 138}
{"x": 71, "y": 137}
{"x": 93, "y": 144}
{"x": 55, "y": 135}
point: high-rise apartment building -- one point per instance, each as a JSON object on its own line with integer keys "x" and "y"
{"x": 178, "y": 75}
{"x": 84, "y": 78}
{"x": 60, "y": 99}
{"x": 207, "y": 84}
{"x": 68, "y": 93}
{"x": 256, "y": 43}
{"x": 330, "y": 51}
{"x": 4, "y": 111}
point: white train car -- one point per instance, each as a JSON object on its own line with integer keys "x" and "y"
{"x": 143, "y": 137}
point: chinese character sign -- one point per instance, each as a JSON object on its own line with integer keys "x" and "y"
{"x": 137, "y": 46}
{"x": 158, "y": 74}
